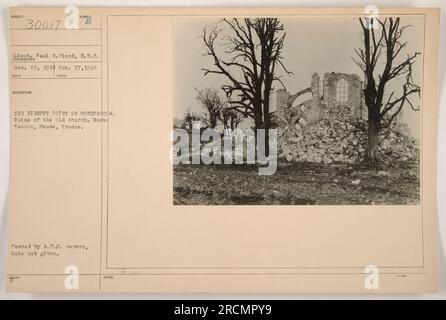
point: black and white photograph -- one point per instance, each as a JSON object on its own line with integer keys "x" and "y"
{"x": 297, "y": 110}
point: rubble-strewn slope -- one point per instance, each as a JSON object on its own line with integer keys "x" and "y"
{"x": 340, "y": 137}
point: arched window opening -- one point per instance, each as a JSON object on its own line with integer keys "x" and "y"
{"x": 321, "y": 88}
{"x": 342, "y": 90}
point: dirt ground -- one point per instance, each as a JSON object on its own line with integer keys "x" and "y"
{"x": 295, "y": 184}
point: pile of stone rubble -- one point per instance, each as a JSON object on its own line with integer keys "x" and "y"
{"x": 341, "y": 138}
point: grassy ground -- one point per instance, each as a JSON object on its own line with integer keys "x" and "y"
{"x": 298, "y": 184}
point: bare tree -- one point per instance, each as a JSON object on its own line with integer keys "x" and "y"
{"x": 212, "y": 103}
{"x": 380, "y": 59}
{"x": 252, "y": 54}
{"x": 189, "y": 118}
{"x": 230, "y": 118}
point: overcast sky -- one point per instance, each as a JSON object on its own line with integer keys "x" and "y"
{"x": 312, "y": 44}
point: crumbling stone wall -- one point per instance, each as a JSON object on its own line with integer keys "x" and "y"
{"x": 354, "y": 102}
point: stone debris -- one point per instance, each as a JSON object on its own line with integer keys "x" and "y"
{"x": 383, "y": 174}
{"x": 340, "y": 137}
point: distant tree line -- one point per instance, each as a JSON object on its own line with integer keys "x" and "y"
{"x": 216, "y": 111}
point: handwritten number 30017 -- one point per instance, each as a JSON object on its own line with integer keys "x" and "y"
{"x": 32, "y": 24}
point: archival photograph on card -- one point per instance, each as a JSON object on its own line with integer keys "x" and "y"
{"x": 297, "y": 110}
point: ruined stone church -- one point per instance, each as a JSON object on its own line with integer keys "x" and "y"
{"x": 323, "y": 127}
{"x": 334, "y": 90}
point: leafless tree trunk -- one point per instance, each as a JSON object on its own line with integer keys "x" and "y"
{"x": 253, "y": 48}
{"x": 230, "y": 118}
{"x": 384, "y": 48}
